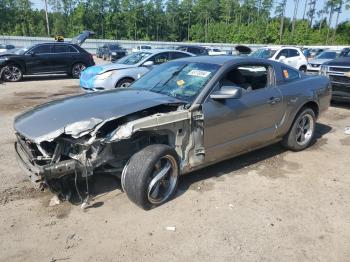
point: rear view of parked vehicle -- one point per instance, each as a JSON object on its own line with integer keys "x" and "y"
{"x": 112, "y": 52}
{"x": 47, "y": 58}
{"x": 291, "y": 56}
{"x": 196, "y": 50}
{"x": 126, "y": 70}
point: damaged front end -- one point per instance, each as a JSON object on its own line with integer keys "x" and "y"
{"x": 82, "y": 149}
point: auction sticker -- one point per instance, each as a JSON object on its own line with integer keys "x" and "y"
{"x": 199, "y": 73}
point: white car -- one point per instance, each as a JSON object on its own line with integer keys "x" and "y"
{"x": 215, "y": 51}
{"x": 314, "y": 65}
{"x": 141, "y": 48}
{"x": 291, "y": 56}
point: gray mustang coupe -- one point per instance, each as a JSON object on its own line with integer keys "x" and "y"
{"x": 183, "y": 115}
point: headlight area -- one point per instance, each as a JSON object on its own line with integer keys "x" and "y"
{"x": 105, "y": 75}
{"x": 323, "y": 70}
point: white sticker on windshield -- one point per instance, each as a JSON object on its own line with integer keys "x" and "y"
{"x": 199, "y": 73}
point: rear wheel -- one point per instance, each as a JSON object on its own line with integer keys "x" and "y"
{"x": 302, "y": 131}
{"x": 77, "y": 69}
{"x": 150, "y": 177}
{"x": 12, "y": 73}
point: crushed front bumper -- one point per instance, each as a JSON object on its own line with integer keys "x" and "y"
{"x": 39, "y": 174}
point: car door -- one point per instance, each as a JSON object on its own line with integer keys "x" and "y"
{"x": 38, "y": 59}
{"x": 61, "y": 58}
{"x": 232, "y": 126}
{"x": 294, "y": 58}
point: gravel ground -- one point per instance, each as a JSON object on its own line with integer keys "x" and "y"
{"x": 268, "y": 205}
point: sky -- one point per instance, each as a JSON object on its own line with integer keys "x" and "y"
{"x": 289, "y": 10}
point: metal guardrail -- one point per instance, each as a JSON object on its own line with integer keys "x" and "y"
{"x": 92, "y": 44}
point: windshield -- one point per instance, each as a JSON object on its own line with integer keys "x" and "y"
{"x": 115, "y": 47}
{"x": 182, "y": 80}
{"x": 133, "y": 58}
{"x": 263, "y": 53}
{"x": 327, "y": 55}
{"x": 22, "y": 50}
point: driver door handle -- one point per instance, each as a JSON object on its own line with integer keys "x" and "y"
{"x": 274, "y": 100}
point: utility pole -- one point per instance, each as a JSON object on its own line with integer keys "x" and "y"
{"x": 189, "y": 25}
{"x": 47, "y": 19}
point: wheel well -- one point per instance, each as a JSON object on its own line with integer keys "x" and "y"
{"x": 124, "y": 78}
{"x": 16, "y": 64}
{"x": 303, "y": 67}
{"x": 313, "y": 106}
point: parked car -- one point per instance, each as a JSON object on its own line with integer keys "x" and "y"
{"x": 338, "y": 71}
{"x": 215, "y": 51}
{"x": 140, "y": 48}
{"x": 345, "y": 52}
{"x": 126, "y": 70}
{"x": 182, "y": 116}
{"x": 112, "y": 52}
{"x": 313, "y": 52}
{"x": 99, "y": 52}
{"x": 196, "y": 50}
{"x": 288, "y": 55}
{"x": 5, "y": 48}
{"x": 47, "y": 58}
{"x": 314, "y": 65}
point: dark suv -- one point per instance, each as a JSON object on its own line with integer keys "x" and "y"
{"x": 112, "y": 52}
{"x": 196, "y": 50}
{"x": 338, "y": 72}
{"x": 46, "y": 58}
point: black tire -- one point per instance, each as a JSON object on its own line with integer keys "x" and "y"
{"x": 302, "y": 69}
{"x": 104, "y": 57}
{"x": 141, "y": 171}
{"x": 123, "y": 83}
{"x": 77, "y": 69}
{"x": 12, "y": 73}
{"x": 293, "y": 139}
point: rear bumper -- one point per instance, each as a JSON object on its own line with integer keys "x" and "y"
{"x": 39, "y": 174}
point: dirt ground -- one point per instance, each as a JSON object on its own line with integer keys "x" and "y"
{"x": 269, "y": 205}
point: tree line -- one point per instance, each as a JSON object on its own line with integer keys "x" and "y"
{"x": 226, "y": 21}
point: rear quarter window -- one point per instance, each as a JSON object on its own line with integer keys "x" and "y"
{"x": 289, "y": 74}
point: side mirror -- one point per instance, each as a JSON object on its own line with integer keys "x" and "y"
{"x": 32, "y": 53}
{"x": 227, "y": 92}
{"x": 282, "y": 58}
{"x": 148, "y": 64}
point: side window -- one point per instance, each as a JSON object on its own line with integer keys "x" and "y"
{"x": 249, "y": 77}
{"x": 293, "y": 53}
{"x": 283, "y": 52}
{"x": 71, "y": 49}
{"x": 193, "y": 50}
{"x": 290, "y": 74}
{"x": 58, "y": 49}
{"x": 160, "y": 58}
{"x": 42, "y": 49}
{"x": 176, "y": 55}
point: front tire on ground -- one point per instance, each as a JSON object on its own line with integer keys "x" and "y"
{"x": 302, "y": 131}
{"x": 126, "y": 82}
{"x": 77, "y": 69}
{"x": 302, "y": 69}
{"x": 12, "y": 73}
{"x": 150, "y": 178}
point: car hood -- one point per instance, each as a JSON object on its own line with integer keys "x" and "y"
{"x": 95, "y": 70}
{"x": 80, "y": 114}
{"x": 344, "y": 61}
{"x": 318, "y": 61}
{"x": 7, "y": 54}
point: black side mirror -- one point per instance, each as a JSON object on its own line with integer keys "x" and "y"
{"x": 227, "y": 92}
{"x": 32, "y": 53}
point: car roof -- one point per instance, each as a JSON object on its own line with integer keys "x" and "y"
{"x": 221, "y": 59}
{"x": 159, "y": 50}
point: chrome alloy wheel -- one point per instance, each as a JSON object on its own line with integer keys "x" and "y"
{"x": 12, "y": 73}
{"x": 305, "y": 129}
{"x": 163, "y": 180}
